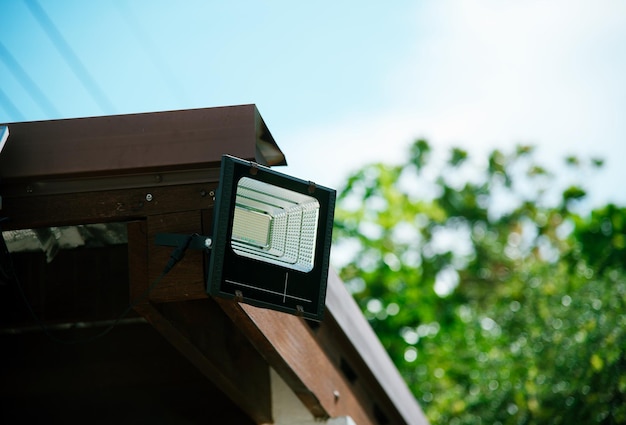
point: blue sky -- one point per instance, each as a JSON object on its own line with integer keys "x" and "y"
{"x": 339, "y": 84}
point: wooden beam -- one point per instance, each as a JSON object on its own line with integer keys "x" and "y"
{"x": 367, "y": 356}
{"x": 288, "y": 344}
{"x": 187, "y": 280}
{"x": 123, "y": 144}
{"x": 204, "y": 335}
{"x": 104, "y": 206}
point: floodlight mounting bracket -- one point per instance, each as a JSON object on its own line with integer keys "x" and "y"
{"x": 197, "y": 242}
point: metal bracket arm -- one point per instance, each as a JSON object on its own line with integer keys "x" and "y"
{"x": 197, "y": 242}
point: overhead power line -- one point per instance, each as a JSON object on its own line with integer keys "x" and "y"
{"x": 29, "y": 85}
{"x": 154, "y": 53}
{"x": 70, "y": 57}
{"x": 10, "y": 107}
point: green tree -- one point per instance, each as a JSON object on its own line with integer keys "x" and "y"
{"x": 499, "y": 302}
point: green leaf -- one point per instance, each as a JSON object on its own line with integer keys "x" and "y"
{"x": 420, "y": 153}
{"x": 457, "y": 157}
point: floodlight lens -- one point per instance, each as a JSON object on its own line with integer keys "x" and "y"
{"x": 275, "y": 225}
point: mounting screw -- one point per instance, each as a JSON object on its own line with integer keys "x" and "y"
{"x": 238, "y": 296}
{"x": 212, "y": 193}
{"x": 149, "y": 197}
{"x": 336, "y": 394}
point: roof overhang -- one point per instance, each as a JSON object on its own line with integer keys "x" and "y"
{"x": 137, "y": 150}
{"x": 158, "y": 172}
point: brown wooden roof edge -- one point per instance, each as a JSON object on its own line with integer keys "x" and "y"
{"x": 350, "y": 319}
{"x": 134, "y": 143}
{"x": 338, "y": 369}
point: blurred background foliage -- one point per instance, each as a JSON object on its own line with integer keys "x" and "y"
{"x": 497, "y": 292}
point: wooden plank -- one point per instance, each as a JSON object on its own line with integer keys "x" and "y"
{"x": 342, "y": 355}
{"x": 203, "y": 334}
{"x": 365, "y": 349}
{"x": 127, "y": 143}
{"x": 104, "y": 206}
{"x": 186, "y": 280}
{"x": 290, "y": 348}
{"x": 363, "y": 383}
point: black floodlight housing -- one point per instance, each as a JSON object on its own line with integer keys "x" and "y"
{"x": 271, "y": 239}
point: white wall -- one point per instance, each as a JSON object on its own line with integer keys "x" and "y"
{"x": 287, "y": 409}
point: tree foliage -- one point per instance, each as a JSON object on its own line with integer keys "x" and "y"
{"x": 498, "y": 301}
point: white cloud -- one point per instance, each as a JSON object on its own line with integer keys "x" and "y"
{"x": 486, "y": 74}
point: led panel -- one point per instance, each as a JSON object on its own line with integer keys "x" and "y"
{"x": 275, "y": 225}
{"x": 271, "y": 239}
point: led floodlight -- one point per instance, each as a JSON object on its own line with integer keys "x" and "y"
{"x": 271, "y": 239}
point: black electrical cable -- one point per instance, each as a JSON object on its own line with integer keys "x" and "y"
{"x": 176, "y": 255}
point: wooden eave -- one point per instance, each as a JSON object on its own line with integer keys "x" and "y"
{"x": 102, "y": 169}
{"x": 123, "y": 144}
